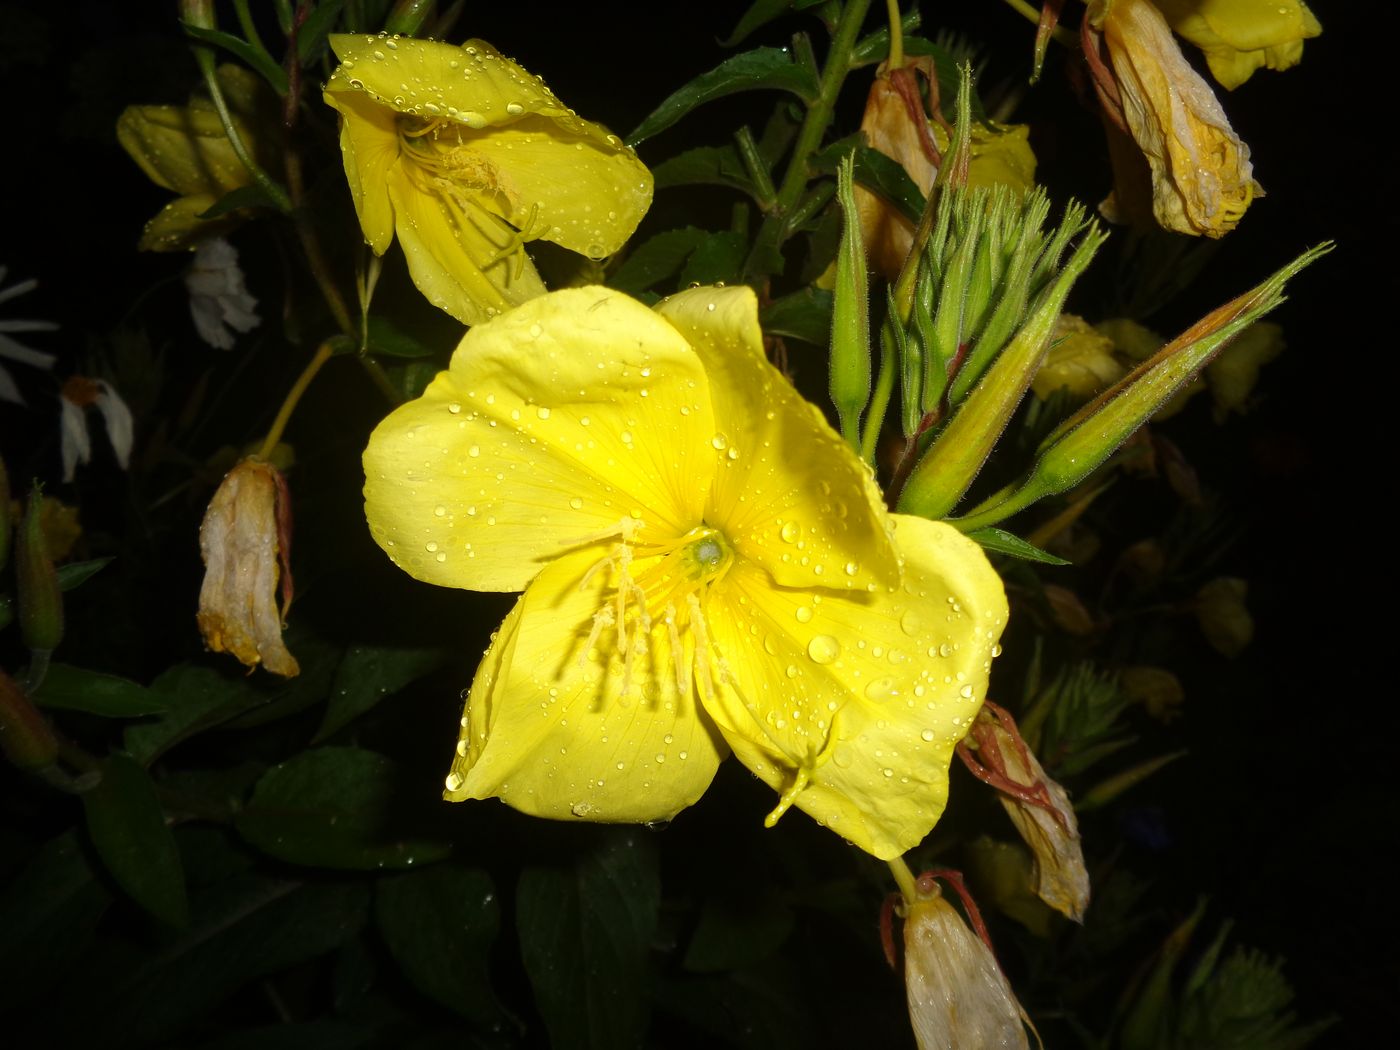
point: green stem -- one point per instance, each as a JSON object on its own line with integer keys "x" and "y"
{"x": 904, "y": 879}
{"x": 1060, "y": 34}
{"x": 324, "y": 352}
{"x": 879, "y": 401}
{"x": 896, "y": 59}
{"x": 278, "y": 196}
{"x": 250, "y": 29}
{"x": 1017, "y": 502}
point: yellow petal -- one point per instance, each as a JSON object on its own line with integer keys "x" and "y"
{"x": 369, "y": 145}
{"x": 789, "y": 494}
{"x": 178, "y": 226}
{"x": 182, "y": 148}
{"x": 860, "y": 697}
{"x": 582, "y": 192}
{"x": 547, "y": 731}
{"x": 460, "y": 258}
{"x": 556, "y": 421}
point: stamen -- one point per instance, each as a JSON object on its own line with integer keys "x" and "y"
{"x": 702, "y": 644}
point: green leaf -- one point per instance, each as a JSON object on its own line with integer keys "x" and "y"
{"x": 656, "y": 258}
{"x": 412, "y": 379}
{"x": 737, "y": 930}
{"x": 76, "y": 573}
{"x": 804, "y": 315}
{"x": 330, "y": 808}
{"x": 705, "y": 166}
{"x": 368, "y": 674}
{"x": 876, "y": 46}
{"x": 254, "y": 57}
{"x": 584, "y": 937}
{"x": 47, "y": 916}
{"x": 1106, "y": 791}
{"x": 311, "y": 37}
{"x": 759, "y": 14}
{"x": 249, "y": 196}
{"x": 1003, "y": 542}
{"x": 75, "y": 689}
{"x": 127, "y": 826}
{"x": 284, "y": 697}
{"x": 719, "y": 259}
{"x": 876, "y": 172}
{"x": 761, "y": 68}
{"x": 440, "y": 925}
{"x": 387, "y": 338}
{"x": 199, "y": 698}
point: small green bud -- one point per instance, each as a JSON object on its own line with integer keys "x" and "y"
{"x": 25, "y": 736}
{"x": 40, "y": 598}
{"x": 198, "y": 13}
{"x": 850, "y": 316}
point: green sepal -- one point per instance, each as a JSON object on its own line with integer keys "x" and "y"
{"x": 850, "y": 317}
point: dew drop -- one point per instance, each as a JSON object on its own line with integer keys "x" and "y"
{"x": 823, "y": 649}
{"x": 542, "y": 412}
{"x": 454, "y": 408}
{"x": 804, "y": 614}
{"x": 576, "y": 503}
{"x": 514, "y": 109}
{"x": 720, "y": 442}
{"x": 440, "y": 510}
{"x": 965, "y": 692}
{"x": 882, "y": 689}
{"x": 790, "y": 531}
{"x": 453, "y": 781}
{"x": 474, "y": 451}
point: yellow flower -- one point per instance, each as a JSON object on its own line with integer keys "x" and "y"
{"x": 245, "y": 540}
{"x": 466, "y": 156}
{"x": 1080, "y": 360}
{"x": 1202, "y": 180}
{"x": 706, "y": 566}
{"x": 1240, "y": 36}
{"x": 185, "y": 149}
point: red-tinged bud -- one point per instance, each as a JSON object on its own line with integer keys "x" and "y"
{"x": 25, "y": 737}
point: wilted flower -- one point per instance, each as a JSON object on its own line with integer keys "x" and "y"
{"x": 706, "y": 566}
{"x": 895, "y": 123}
{"x": 1202, "y": 180}
{"x": 1240, "y": 36}
{"x": 11, "y": 348}
{"x": 1038, "y": 806}
{"x": 185, "y": 149}
{"x": 246, "y": 544}
{"x": 219, "y": 301}
{"x": 466, "y": 157}
{"x": 80, "y": 393}
{"x": 958, "y": 997}
{"x": 1079, "y": 360}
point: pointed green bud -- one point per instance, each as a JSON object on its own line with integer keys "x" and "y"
{"x": 850, "y": 316}
{"x": 40, "y": 598}
{"x": 953, "y": 460}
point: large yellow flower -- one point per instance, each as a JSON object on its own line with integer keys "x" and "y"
{"x": 706, "y": 566}
{"x": 1240, "y": 36}
{"x": 466, "y": 157}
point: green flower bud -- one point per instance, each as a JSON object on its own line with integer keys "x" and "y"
{"x": 40, "y": 598}
{"x": 25, "y": 736}
{"x": 850, "y": 316}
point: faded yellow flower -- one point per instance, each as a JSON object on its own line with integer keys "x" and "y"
{"x": 1079, "y": 360}
{"x": 706, "y": 566}
{"x": 245, "y": 541}
{"x": 465, "y": 157}
{"x": 1240, "y": 36}
{"x": 1202, "y": 179}
{"x": 185, "y": 149}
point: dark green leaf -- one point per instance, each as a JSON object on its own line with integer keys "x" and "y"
{"x": 876, "y": 46}
{"x": 96, "y": 693}
{"x": 199, "y": 699}
{"x": 761, "y": 68}
{"x": 410, "y": 380}
{"x": 387, "y": 338}
{"x": 47, "y": 916}
{"x": 127, "y": 826}
{"x": 759, "y": 14}
{"x": 877, "y": 173}
{"x": 584, "y": 936}
{"x": 718, "y": 260}
{"x": 1003, "y": 542}
{"x": 752, "y": 1011}
{"x": 705, "y": 166}
{"x": 311, "y": 37}
{"x": 736, "y": 931}
{"x": 440, "y": 925}
{"x": 656, "y": 259}
{"x": 366, "y": 675}
{"x": 249, "y": 196}
{"x": 76, "y": 573}
{"x": 330, "y": 807}
{"x": 804, "y": 315}
{"x": 254, "y": 57}
{"x": 284, "y": 697}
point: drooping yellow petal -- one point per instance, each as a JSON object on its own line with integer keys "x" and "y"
{"x": 369, "y": 146}
{"x": 1240, "y": 36}
{"x": 583, "y": 194}
{"x": 789, "y": 493}
{"x": 555, "y": 422}
{"x": 850, "y": 705}
{"x": 461, "y": 258}
{"x": 546, "y": 727}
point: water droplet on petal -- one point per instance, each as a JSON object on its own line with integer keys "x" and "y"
{"x": 453, "y": 781}
{"x": 823, "y": 649}
{"x": 803, "y": 614}
{"x": 790, "y": 531}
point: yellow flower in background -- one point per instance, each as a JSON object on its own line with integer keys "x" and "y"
{"x": 1080, "y": 360}
{"x": 706, "y": 566}
{"x": 1202, "y": 180}
{"x": 185, "y": 149}
{"x": 465, "y": 157}
{"x": 1240, "y": 36}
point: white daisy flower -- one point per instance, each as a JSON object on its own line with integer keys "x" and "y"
{"x": 12, "y": 348}
{"x": 219, "y": 300}
{"x": 80, "y": 393}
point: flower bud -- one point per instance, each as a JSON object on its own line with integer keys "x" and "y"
{"x": 40, "y": 597}
{"x": 1037, "y": 805}
{"x": 1080, "y": 360}
{"x": 850, "y": 317}
{"x": 1223, "y": 616}
{"x": 958, "y": 996}
{"x": 25, "y": 736}
{"x": 245, "y": 541}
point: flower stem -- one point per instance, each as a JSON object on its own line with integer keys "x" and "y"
{"x": 324, "y": 352}
{"x": 896, "y": 58}
{"x": 274, "y": 193}
{"x": 904, "y": 878}
{"x": 1059, "y": 34}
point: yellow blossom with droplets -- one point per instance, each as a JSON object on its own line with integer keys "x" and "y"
{"x": 1240, "y": 36}
{"x": 706, "y": 566}
{"x": 465, "y": 157}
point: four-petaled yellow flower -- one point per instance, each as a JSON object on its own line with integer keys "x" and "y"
{"x": 1240, "y": 36}
{"x": 466, "y": 157}
{"x": 706, "y": 566}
